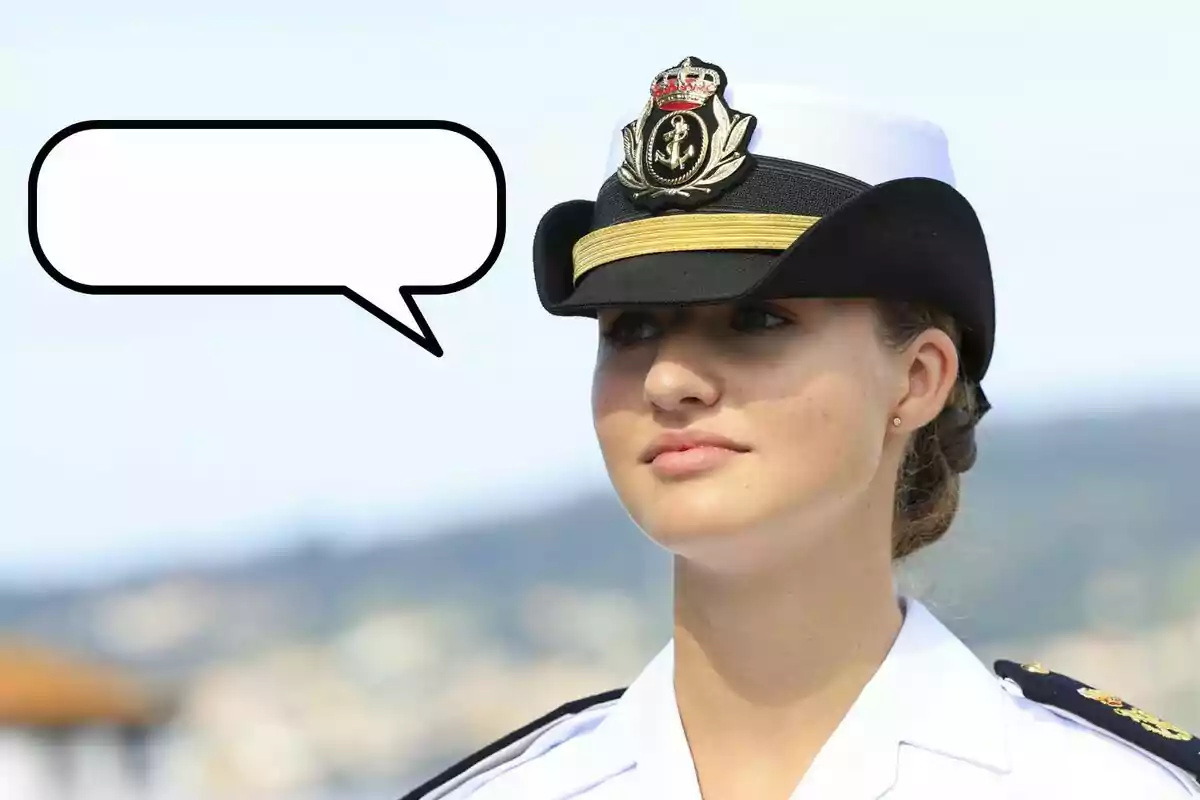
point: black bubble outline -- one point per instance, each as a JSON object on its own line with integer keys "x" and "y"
{"x": 424, "y": 338}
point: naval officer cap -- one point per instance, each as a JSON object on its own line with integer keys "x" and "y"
{"x": 720, "y": 193}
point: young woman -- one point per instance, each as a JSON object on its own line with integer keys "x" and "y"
{"x": 795, "y": 313}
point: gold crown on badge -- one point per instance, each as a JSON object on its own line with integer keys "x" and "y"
{"x": 684, "y": 87}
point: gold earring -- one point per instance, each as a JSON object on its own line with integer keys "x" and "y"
{"x": 897, "y": 422}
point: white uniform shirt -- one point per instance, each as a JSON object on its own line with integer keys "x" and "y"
{"x": 932, "y": 723}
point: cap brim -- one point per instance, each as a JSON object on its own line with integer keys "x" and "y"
{"x": 665, "y": 279}
{"x": 908, "y": 239}
{"x": 656, "y": 279}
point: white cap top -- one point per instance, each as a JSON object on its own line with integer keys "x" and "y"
{"x": 811, "y": 127}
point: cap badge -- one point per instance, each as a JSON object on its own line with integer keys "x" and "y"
{"x": 687, "y": 148}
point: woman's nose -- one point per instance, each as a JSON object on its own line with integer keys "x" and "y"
{"x": 680, "y": 377}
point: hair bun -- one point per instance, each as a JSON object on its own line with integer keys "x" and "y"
{"x": 960, "y": 450}
{"x": 956, "y": 438}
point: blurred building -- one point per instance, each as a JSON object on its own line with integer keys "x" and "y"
{"x": 70, "y": 730}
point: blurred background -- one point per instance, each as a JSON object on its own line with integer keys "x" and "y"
{"x": 255, "y": 548}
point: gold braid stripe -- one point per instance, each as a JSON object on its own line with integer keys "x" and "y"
{"x": 688, "y": 232}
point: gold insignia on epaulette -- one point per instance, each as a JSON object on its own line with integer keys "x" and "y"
{"x": 1103, "y": 697}
{"x": 1035, "y": 668}
{"x": 1143, "y": 718}
{"x": 1155, "y": 725}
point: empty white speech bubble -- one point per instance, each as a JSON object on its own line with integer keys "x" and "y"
{"x": 378, "y": 211}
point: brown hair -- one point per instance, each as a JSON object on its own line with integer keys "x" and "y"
{"x": 927, "y": 488}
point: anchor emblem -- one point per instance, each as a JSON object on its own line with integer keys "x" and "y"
{"x": 674, "y": 139}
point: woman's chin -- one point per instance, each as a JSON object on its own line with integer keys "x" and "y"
{"x": 684, "y": 515}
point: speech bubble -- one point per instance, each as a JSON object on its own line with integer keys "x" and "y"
{"x": 377, "y": 211}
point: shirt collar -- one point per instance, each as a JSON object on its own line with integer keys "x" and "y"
{"x": 947, "y": 700}
{"x": 931, "y": 692}
{"x": 645, "y": 729}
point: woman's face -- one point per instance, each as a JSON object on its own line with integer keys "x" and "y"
{"x": 732, "y": 419}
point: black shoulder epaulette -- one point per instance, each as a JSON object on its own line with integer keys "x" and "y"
{"x": 565, "y": 710}
{"x": 1107, "y": 712}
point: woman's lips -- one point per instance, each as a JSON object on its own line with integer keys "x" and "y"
{"x": 692, "y": 461}
{"x": 677, "y": 454}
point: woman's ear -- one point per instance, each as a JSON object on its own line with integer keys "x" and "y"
{"x": 929, "y": 370}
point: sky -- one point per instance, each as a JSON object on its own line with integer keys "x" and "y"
{"x": 138, "y": 430}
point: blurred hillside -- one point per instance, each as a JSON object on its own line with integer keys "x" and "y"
{"x": 325, "y": 669}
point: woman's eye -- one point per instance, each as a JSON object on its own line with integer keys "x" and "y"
{"x": 757, "y": 318}
{"x": 630, "y": 328}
